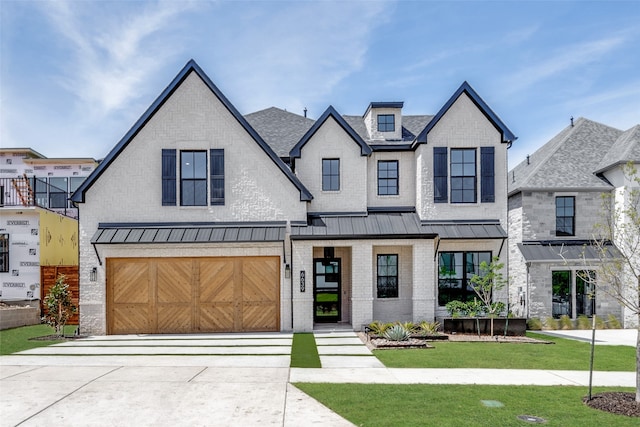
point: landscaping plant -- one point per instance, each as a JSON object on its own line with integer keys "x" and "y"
{"x": 58, "y": 305}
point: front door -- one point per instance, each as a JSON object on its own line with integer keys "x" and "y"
{"x": 326, "y": 290}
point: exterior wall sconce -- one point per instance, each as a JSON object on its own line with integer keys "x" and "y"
{"x": 287, "y": 271}
{"x": 93, "y": 275}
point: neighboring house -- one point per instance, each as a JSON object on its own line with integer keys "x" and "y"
{"x": 201, "y": 219}
{"x": 39, "y": 226}
{"x": 555, "y": 200}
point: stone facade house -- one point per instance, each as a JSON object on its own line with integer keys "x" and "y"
{"x": 555, "y": 201}
{"x": 204, "y": 220}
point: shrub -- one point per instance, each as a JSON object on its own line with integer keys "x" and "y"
{"x": 410, "y": 327}
{"x": 600, "y": 323}
{"x": 551, "y": 323}
{"x": 583, "y": 322}
{"x": 428, "y": 328}
{"x": 396, "y": 333}
{"x": 566, "y": 322}
{"x": 613, "y": 322}
{"x": 456, "y": 308}
{"x": 534, "y": 324}
{"x": 378, "y": 328}
{"x": 58, "y": 306}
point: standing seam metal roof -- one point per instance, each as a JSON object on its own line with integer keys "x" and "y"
{"x": 188, "y": 233}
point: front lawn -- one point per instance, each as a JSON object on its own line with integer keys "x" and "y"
{"x": 460, "y": 405}
{"x": 18, "y": 339}
{"x": 564, "y": 354}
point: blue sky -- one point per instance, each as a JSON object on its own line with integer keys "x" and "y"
{"x": 76, "y": 75}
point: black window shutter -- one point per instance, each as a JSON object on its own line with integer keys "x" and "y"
{"x": 168, "y": 177}
{"x": 440, "y": 175}
{"x": 217, "y": 176}
{"x": 487, "y": 173}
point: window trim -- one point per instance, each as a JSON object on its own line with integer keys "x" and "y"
{"x": 385, "y": 257}
{"x": 386, "y": 125}
{"x": 388, "y": 179}
{"x": 572, "y": 217}
{"x": 329, "y": 174}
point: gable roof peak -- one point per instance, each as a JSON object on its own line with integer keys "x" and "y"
{"x": 507, "y": 136}
{"x": 296, "y": 151}
{"x": 190, "y": 66}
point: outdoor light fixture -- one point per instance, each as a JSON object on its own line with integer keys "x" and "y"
{"x": 287, "y": 271}
{"x": 93, "y": 275}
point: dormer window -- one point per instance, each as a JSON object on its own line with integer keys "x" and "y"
{"x": 386, "y": 123}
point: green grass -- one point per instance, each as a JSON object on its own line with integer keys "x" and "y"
{"x": 460, "y": 405}
{"x": 564, "y": 354}
{"x": 304, "y": 353}
{"x": 17, "y": 339}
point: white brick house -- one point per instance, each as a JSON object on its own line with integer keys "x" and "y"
{"x": 201, "y": 219}
{"x": 555, "y": 200}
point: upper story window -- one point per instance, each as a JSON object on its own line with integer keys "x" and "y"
{"x": 386, "y": 123}
{"x": 387, "y": 177}
{"x": 387, "y": 276}
{"x": 330, "y": 174}
{"x": 54, "y": 192}
{"x": 565, "y": 216}
{"x": 193, "y": 178}
{"x": 463, "y": 175}
{"x": 4, "y": 253}
{"x": 196, "y": 175}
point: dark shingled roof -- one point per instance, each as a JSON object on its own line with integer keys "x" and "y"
{"x": 568, "y": 161}
{"x": 279, "y": 128}
{"x": 625, "y": 149}
{"x": 189, "y": 233}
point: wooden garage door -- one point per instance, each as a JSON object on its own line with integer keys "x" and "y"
{"x": 185, "y": 295}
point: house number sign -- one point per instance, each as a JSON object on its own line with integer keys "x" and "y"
{"x": 302, "y": 277}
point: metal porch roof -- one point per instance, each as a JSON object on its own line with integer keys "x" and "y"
{"x": 189, "y": 233}
{"x": 544, "y": 251}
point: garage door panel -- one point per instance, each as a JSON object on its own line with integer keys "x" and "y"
{"x": 175, "y": 319}
{"x": 216, "y": 280}
{"x": 130, "y": 283}
{"x": 174, "y": 280}
{"x": 131, "y": 319}
{"x": 260, "y": 279}
{"x": 260, "y": 317}
{"x": 218, "y": 318}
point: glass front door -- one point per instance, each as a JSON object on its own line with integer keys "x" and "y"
{"x": 326, "y": 290}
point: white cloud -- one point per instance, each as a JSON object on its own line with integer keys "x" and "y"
{"x": 565, "y": 59}
{"x": 113, "y": 49}
{"x": 296, "y": 53}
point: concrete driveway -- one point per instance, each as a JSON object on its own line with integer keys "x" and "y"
{"x": 207, "y": 380}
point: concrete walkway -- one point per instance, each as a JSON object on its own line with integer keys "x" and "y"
{"x": 226, "y": 380}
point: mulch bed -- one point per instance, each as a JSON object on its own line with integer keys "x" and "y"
{"x": 616, "y": 402}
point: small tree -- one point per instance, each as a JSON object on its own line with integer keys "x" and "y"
{"x": 58, "y": 305}
{"x": 620, "y": 274}
{"x": 484, "y": 284}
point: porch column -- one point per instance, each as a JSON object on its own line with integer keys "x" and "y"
{"x": 302, "y": 260}
{"x": 424, "y": 281}
{"x": 362, "y": 284}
